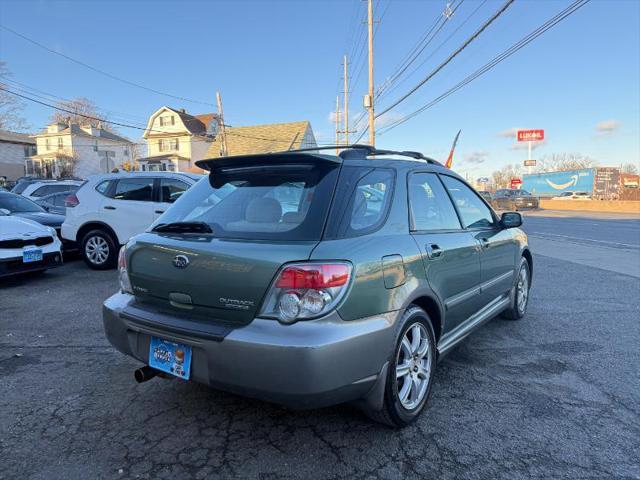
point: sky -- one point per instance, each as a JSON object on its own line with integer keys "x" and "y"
{"x": 280, "y": 61}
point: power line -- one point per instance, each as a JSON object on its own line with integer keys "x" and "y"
{"x": 421, "y": 46}
{"x": 466, "y": 43}
{"x": 386, "y": 91}
{"x": 102, "y": 72}
{"x": 495, "y": 61}
{"x": 126, "y": 125}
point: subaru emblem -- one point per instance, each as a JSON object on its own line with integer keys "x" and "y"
{"x": 181, "y": 261}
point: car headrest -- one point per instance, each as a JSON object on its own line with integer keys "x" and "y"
{"x": 263, "y": 210}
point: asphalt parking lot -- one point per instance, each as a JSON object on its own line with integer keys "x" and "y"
{"x": 556, "y": 395}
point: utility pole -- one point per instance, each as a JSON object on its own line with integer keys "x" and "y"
{"x": 346, "y": 101}
{"x": 372, "y": 133}
{"x": 337, "y": 119}
{"x": 223, "y": 133}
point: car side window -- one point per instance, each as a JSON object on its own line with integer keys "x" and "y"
{"x": 370, "y": 196}
{"x": 41, "y": 191}
{"x": 473, "y": 211}
{"x": 58, "y": 200}
{"x": 429, "y": 205}
{"x": 171, "y": 189}
{"x": 362, "y": 201}
{"x": 103, "y": 187}
{"x": 136, "y": 189}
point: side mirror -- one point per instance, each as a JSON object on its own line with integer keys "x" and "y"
{"x": 5, "y": 212}
{"x": 511, "y": 220}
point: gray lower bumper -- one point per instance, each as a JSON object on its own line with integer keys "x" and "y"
{"x": 304, "y": 365}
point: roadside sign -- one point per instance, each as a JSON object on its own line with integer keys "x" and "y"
{"x": 530, "y": 135}
{"x": 515, "y": 183}
{"x": 529, "y": 163}
{"x": 483, "y": 180}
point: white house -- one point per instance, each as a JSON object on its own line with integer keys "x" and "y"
{"x": 177, "y": 139}
{"x": 15, "y": 148}
{"x": 69, "y": 149}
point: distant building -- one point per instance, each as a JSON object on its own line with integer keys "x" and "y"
{"x": 177, "y": 139}
{"x": 275, "y": 137}
{"x": 15, "y": 148}
{"x": 73, "y": 150}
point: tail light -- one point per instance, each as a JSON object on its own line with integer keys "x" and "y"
{"x": 123, "y": 274}
{"x": 303, "y": 291}
{"x": 71, "y": 201}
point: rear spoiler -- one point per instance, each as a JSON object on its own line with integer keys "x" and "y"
{"x": 265, "y": 159}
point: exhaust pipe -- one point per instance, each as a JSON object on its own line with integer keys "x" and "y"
{"x": 145, "y": 373}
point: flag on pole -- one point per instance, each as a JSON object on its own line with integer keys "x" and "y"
{"x": 453, "y": 147}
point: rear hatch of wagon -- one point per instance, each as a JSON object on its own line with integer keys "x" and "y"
{"x": 217, "y": 249}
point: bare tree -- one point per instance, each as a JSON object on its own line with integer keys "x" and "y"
{"x": 82, "y": 111}
{"x": 11, "y": 107}
{"x": 631, "y": 168}
{"x": 501, "y": 178}
{"x": 558, "y": 162}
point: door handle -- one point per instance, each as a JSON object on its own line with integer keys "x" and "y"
{"x": 484, "y": 243}
{"x": 109, "y": 207}
{"x": 159, "y": 211}
{"x": 434, "y": 251}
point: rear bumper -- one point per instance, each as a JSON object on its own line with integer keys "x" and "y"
{"x": 306, "y": 365}
{"x": 533, "y": 203}
{"x": 12, "y": 266}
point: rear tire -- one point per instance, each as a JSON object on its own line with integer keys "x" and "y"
{"x": 99, "y": 250}
{"x": 520, "y": 294}
{"x": 411, "y": 371}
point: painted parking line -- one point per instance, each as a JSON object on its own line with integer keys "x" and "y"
{"x": 585, "y": 240}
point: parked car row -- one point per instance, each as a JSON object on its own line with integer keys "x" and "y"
{"x": 102, "y": 214}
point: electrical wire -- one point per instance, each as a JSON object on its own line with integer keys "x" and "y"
{"x": 465, "y": 44}
{"x": 102, "y": 72}
{"x": 388, "y": 90}
{"x": 127, "y": 125}
{"x": 422, "y": 45}
{"x": 493, "y": 62}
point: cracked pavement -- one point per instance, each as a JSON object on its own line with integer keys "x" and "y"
{"x": 556, "y": 395}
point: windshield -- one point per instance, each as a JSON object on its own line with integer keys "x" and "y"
{"x": 259, "y": 203}
{"x": 18, "y": 204}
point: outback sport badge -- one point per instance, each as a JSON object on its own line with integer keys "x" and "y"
{"x": 181, "y": 261}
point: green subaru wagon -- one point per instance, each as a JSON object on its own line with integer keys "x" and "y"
{"x": 310, "y": 280}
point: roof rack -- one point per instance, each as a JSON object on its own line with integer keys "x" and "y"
{"x": 361, "y": 151}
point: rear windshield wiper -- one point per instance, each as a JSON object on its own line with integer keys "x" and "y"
{"x": 183, "y": 227}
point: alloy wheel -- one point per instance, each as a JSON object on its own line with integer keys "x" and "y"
{"x": 522, "y": 290}
{"x": 97, "y": 250}
{"x": 413, "y": 366}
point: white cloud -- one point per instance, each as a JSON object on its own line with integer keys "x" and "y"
{"x": 607, "y": 127}
{"x": 387, "y": 119}
{"x": 476, "y": 157}
{"x": 509, "y": 133}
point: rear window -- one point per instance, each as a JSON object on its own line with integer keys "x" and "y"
{"x": 275, "y": 202}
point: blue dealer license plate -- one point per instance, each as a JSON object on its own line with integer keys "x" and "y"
{"x": 170, "y": 357}
{"x": 31, "y": 254}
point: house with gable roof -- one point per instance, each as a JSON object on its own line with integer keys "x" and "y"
{"x": 176, "y": 140}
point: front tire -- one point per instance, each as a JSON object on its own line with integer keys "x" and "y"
{"x": 99, "y": 250}
{"x": 520, "y": 294}
{"x": 411, "y": 372}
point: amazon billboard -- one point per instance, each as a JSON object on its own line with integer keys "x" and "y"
{"x": 550, "y": 184}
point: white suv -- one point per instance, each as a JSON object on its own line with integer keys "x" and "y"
{"x": 41, "y": 188}
{"x": 109, "y": 209}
